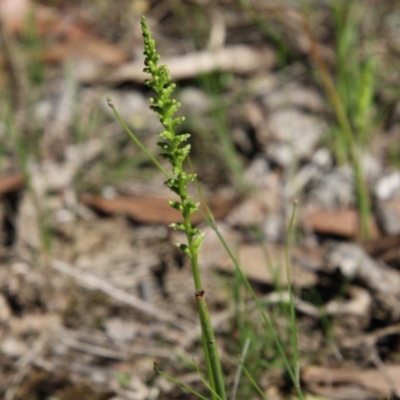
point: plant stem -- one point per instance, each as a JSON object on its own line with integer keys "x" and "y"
{"x": 294, "y": 338}
{"x": 176, "y": 153}
{"x": 211, "y": 346}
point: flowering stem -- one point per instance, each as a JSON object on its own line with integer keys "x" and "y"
{"x": 175, "y": 151}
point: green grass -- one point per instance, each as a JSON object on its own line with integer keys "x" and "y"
{"x": 354, "y": 80}
{"x": 349, "y": 143}
{"x": 354, "y": 76}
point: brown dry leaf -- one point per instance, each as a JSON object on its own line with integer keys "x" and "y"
{"x": 267, "y": 266}
{"x": 69, "y": 33}
{"x": 142, "y": 209}
{"x": 257, "y": 264}
{"x": 14, "y": 16}
{"x": 342, "y": 223}
{"x": 154, "y": 210}
{"x": 366, "y": 382}
{"x": 11, "y": 183}
{"x": 88, "y": 48}
{"x": 76, "y": 39}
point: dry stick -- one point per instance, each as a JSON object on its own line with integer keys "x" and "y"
{"x": 94, "y": 282}
{"x": 25, "y": 361}
{"x": 108, "y": 350}
{"x": 237, "y": 59}
{"x": 381, "y": 367}
{"x": 371, "y": 338}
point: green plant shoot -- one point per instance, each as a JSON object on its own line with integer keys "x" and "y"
{"x": 175, "y": 150}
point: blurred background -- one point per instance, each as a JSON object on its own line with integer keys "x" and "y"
{"x": 285, "y": 100}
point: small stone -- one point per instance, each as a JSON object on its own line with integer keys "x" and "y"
{"x": 300, "y": 132}
{"x": 388, "y": 185}
{"x": 120, "y": 330}
{"x": 194, "y": 100}
{"x": 371, "y": 166}
{"x": 280, "y": 153}
{"x": 333, "y": 190}
{"x": 294, "y": 95}
{"x": 273, "y": 228}
{"x": 13, "y": 347}
{"x": 388, "y": 214}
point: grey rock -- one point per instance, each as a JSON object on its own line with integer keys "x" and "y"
{"x": 388, "y": 218}
{"x": 295, "y": 136}
{"x": 195, "y": 100}
{"x": 333, "y": 190}
{"x": 388, "y": 185}
{"x": 296, "y": 96}
{"x": 119, "y": 329}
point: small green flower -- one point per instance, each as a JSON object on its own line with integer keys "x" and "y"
{"x": 172, "y": 144}
{"x": 175, "y": 151}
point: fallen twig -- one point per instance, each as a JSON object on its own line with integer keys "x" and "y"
{"x": 94, "y": 282}
{"x": 236, "y": 59}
